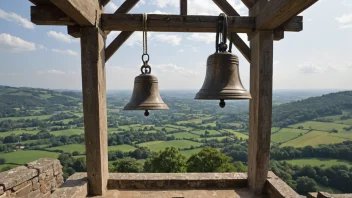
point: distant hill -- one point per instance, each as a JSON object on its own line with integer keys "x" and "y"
{"x": 311, "y": 108}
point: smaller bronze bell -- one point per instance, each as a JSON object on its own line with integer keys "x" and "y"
{"x": 146, "y": 95}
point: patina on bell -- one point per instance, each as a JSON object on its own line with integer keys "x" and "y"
{"x": 222, "y": 80}
{"x": 146, "y": 95}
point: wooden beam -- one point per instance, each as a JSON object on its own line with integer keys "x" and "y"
{"x": 174, "y": 23}
{"x": 294, "y": 24}
{"x": 41, "y": 2}
{"x": 237, "y": 41}
{"x": 94, "y": 109}
{"x": 84, "y": 12}
{"x": 74, "y": 30}
{"x": 49, "y": 15}
{"x": 277, "y": 12}
{"x": 104, "y": 2}
{"x": 183, "y": 7}
{"x": 260, "y": 110}
{"x": 116, "y": 44}
{"x": 248, "y": 3}
{"x": 279, "y": 34}
{"x": 123, "y": 9}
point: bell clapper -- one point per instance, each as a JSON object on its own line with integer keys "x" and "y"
{"x": 222, "y": 103}
{"x": 146, "y": 113}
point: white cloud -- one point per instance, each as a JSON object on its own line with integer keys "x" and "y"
{"x": 16, "y": 18}
{"x": 172, "y": 69}
{"x": 346, "y": 18}
{"x": 309, "y": 68}
{"x": 207, "y": 38}
{"x": 15, "y": 44}
{"x": 67, "y": 52}
{"x": 346, "y": 26}
{"x": 62, "y": 37}
{"x": 167, "y": 38}
{"x": 111, "y": 7}
{"x": 157, "y": 12}
{"x": 54, "y": 71}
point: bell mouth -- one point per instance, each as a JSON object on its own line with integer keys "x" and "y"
{"x": 204, "y": 94}
{"x": 146, "y": 107}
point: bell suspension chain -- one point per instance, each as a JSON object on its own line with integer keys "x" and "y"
{"x": 145, "y": 69}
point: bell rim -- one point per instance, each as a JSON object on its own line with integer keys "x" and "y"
{"x": 147, "y": 107}
{"x": 239, "y": 95}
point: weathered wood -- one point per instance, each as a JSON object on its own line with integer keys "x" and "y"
{"x": 104, "y": 2}
{"x": 279, "y": 34}
{"x": 84, "y": 12}
{"x": 183, "y": 7}
{"x": 260, "y": 111}
{"x": 237, "y": 41}
{"x": 248, "y": 3}
{"x": 174, "y": 23}
{"x": 123, "y": 9}
{"x": 49, "y": 15}
{"x": 116, "y": 44}
{"x": 294, "y": 24}
{"x": 74, "y": 30}
{"x": 94, "y": 108}
{"x": 277, "y": 12}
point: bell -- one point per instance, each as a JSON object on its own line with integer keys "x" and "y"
{"x": 146, "y": 95}
{"x": 222, "y": 81}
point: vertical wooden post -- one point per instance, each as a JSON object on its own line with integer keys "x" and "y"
{"x": 183, "y": 7}
{"x": 94, "y": 108}
{"x": 260, "y": 110}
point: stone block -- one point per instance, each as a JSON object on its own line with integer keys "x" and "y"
{"x": 16, "y": 176}
{"x": 35, "y": 193}
{"x": 59, "y": 180}
{"x": 42, "y": 177}
{"x": 1, "y": 190}
{"x": 35, "y": 183}
{"x": 43, "y": 186}
{"x": 16, "y": 188}
{"x": 49, "y": 173}
{"x": 53, "y": 183}
{"x": 75, "y": 187}
{"x": 23, "y": 191}
{"x": 43, "y": 164}
{"x": 46, "y": 195}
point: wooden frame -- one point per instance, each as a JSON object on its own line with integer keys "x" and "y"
{"x": 267, "y": 21}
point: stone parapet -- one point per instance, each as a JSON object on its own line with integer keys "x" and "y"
{"x": 35, "y": 179}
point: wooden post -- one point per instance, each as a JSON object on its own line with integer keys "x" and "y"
{"x": 183, "y": 7}
{"x": 94, "y": 108}
{"x": 260, "y": 110}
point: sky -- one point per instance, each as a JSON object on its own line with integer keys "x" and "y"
{"x": 319, "y": 57}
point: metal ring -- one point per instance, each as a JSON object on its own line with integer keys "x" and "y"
{"x": 146, "y": 69}
{"x": 145, "y": 61}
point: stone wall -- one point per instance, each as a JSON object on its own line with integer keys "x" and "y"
{"x": 35, "y": 179}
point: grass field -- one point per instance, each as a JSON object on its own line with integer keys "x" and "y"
{"x": 314, "y": 138}
{"x": 5, "y": 165}
{"x": 69, "y": 148}
{"x": 42, "y": 117}
{"x": 286, "y": 134}
{"x": 348, "y": 121}
{"x": 196, "y": 121}
{"x": 189, "y": 153}
{"x": 318, "y": 162}
{"x": 202, "y": 132}
{"x": 184, "y": 135}
{"x": 161, "y": 145}
{"x": 68, "y": 132}
{"x": 321, "y": 126}
{"x": 18, "y": 132}
{"x": 238, "y": 134}
{"x": 178, "y": 127}
{"x": 22, "y": 157}
{"x": 123, "y": 148}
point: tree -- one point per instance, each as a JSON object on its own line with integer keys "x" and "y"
{"x": 210, "y": 160}
{"x": 80, "y": 165}
{"x": 305, "y": 185}
{"x": 75, "y": 153}
{"x": 2, "y": 161}
{"x": 167, "y": 161}
{"x": 127, "y": 165}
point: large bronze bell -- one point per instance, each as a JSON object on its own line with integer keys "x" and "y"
{"x": 146, "y": 95}
{"x": 222, "y": 81}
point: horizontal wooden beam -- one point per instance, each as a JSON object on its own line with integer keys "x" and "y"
{"x": 84, "y": 12}
{"x": 104, "y": 2}
{"x": 174, "y": 23}
{"x": 277, "y": 12}
{"x": 74, "y": 30}
{"x": 294, "y": 24}
{"x": 116, "y": 44}
{"x": 41, "y": 2}
{"x": 248, "y": 3}
{"x": 49, "y": 15}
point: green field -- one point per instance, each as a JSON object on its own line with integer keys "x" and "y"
{"x": 348, "y": 121}
{"x": 161, "y": 145}
{"x": 286, "y": 134}
{"x": 69, "y": 148}
{"x": 184, "y": 135}
{"x": 68, "y": 132}
{"x": 318, "y": 162}
{"x": 18, "y": 132}
{"x": 321, "y": 126}
{"x": 315, "y": 138}
{"x": 189, "y": 153}
{"x": 202, "y": 132}
{"x": 238, "y": 134}
{"x": 42, "y": 117}
{"x": 22, "y": 157}
{"x": 123, "y": 148}
{"x": 195, "y": 121}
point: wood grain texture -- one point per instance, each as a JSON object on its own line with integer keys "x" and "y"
{"x": 49, "y": 15}
{"x": 183, "y": 7}
{"x": 174, "y": 23}
{"x": 260, "y": 110}
{"x": 84, "y": 12}
{"x": 277, "y": 12}
{"x": 74, "y": 30}
{"x": 116, "y": 44}
{"x": 41, "y": 2}
{"x": 279, "y": 34}
{"x": 237, "y": 41}
{"x": 94, "y": 108}
{"x": 294, "y": 24}
{"x": 248, "y": 3}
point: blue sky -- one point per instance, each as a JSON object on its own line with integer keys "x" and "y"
{"x": 47, "y": 57}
